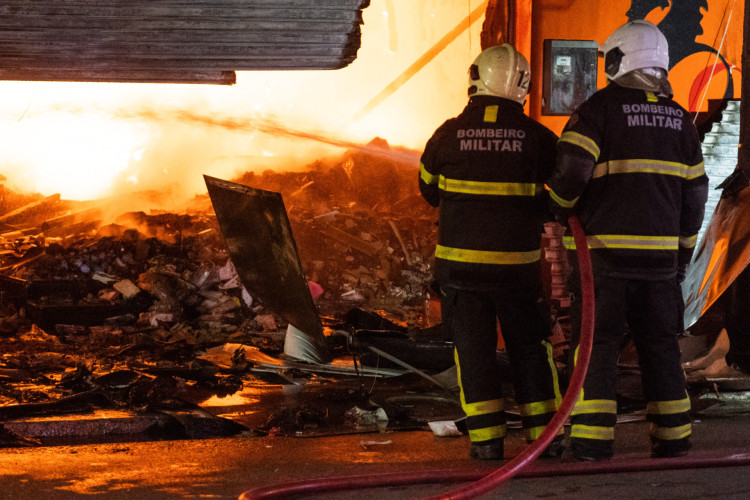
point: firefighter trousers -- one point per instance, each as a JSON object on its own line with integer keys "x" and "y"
{"x": 471, "y": 318}
{"x": 653, "y": 311}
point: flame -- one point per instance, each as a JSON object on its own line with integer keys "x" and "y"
{"x": 76, "y": 156}
{"x": 93, "y": 140}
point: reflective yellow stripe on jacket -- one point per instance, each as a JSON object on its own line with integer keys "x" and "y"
{"x": 479, "y": 187}
{"x": 581, "y": 141}
{"x": 487, "y": 188}
{"x": 636, "y": 242}
{"x": 649, "y": 167}
{"x": 562, "y": 201}
{"x": 427, "y": 177}
{"x": 486, "y": 256}
{"x": 688, "y": 241}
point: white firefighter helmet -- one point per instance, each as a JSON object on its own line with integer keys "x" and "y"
{"x": 500, "y": 71}
{"x": 634, "y": 45}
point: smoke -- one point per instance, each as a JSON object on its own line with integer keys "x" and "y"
{"x": 159, "y": 155}
{"x": 185, "y": 145}
{"x": 265, "y": 125}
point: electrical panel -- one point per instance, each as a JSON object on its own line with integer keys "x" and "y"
{"x": 570, "y": 68}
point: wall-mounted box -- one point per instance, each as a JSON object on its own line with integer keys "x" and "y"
{"x": 569, "y": 75}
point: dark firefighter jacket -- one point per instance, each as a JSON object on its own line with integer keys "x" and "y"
{"x": 486, "y": 169}
{"x": 630, "y": 166}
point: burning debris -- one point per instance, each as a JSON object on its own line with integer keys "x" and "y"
{"x": 116, "y": 315}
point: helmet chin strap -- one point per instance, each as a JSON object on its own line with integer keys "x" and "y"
{"x": 648, "y": 79}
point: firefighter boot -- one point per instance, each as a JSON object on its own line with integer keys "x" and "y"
{"x": 487, "y": 450}
{"x": 569, "y": 456}
{"x": 555, "y": 449}
{"x": 580, "y": 452}
{"x": 661, "y": 448}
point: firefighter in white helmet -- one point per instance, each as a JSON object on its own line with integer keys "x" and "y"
{"x": 485, "y": 170}
{"x": 629, "y": 165}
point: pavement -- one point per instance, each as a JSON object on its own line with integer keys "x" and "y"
{"x": 117, "y": 454}
{"x": 228, "y": 468}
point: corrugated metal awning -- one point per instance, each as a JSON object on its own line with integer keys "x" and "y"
{"x": 174, "y": 41}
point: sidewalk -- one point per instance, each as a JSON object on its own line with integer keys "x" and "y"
{"x": 225, "y": 468}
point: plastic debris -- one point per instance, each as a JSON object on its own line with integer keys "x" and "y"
{"x": 444, "y": 428}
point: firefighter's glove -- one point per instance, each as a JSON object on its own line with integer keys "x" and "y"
{"x": 736, "y": 182}
{"x": 681, "y": 273}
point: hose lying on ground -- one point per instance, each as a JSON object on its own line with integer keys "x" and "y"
{"x": 494, "y": 479}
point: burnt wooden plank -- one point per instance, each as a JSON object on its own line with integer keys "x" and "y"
{"x": 188, "y": 37}
{"x": 66, "y": 52}
{"x": 167, "y": 62}
{"x": 248, "y": 4}
{"x": 188, "y": 40}
{"x": 130, "y": 5}
{"x": 34, "y": 11}
{"x": 123, "y": 76}
{"x": 90, "y": 27}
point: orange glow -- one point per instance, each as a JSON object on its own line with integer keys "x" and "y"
{"x": 718, "y": 255}
{"x": 96, "y": 140}
{"x": 241, "y": 398}
{"x": 80, "y": 155}
{"x": 719, "y": 30}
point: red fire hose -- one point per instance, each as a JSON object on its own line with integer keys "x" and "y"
{"x": 507, "y": 471}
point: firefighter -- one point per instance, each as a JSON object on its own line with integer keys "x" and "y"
{"x": 736, "y": 319}
{"x": 629, "y": 165}
{"x": 485, "y": 170}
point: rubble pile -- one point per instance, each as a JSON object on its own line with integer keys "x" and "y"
{"x": 362, "y": 230}
{"x": 81, "y": 297}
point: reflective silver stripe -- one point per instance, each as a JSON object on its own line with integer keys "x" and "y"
{"x": 638, "y": 166}
{"x": 488, "y": 188}
{"x": 562, "y": 201}
{"x": 670, "y": 433}
{"x": 581, "y": 141}
{"x": 487, "y": 256}
{"x": 484, "y": 407}
{"x": 538, "y": 408}
{"x": 595, "y": 406}
{"x": 668, "y": 407}
{"x": 532, "y": 433}
{"x": 626, "y": 241}
{"x": 696, "y": 171}
{"x": 688, "y": 241}
{"x": 592, "y": 432}
{"x": 495, "y": 432}
{"x": 427, "y": 177}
